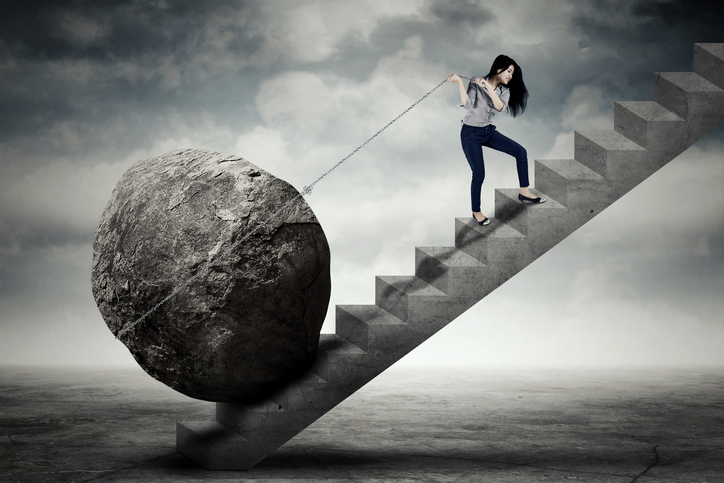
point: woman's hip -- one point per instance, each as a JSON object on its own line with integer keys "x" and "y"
{"x": 476, "y": 134}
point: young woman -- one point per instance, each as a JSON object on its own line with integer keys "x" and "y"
{"x": 502, "y": 88}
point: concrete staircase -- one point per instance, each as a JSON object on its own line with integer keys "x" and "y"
{"x": 449, "y": 280}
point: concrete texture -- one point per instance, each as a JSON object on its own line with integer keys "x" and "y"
{"x": 608, "y": 153}
{"x": 532, "y": 220}
{"x": 369, "y": 327}
{"x": 709, "y": 62}
{"x": 399, "y": 295}
{"x": 570, "y": 183}
{"x": 494, "y": 245}
{"x": 243, "y": 434}
{"x": 454, "y": 425}
{"x": 449, "y": 280}
{"x": 451, "y": 270}
{"x": 648, "y": 124}
{"x": 687, "y": 94}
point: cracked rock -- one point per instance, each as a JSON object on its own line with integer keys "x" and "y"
{"x": 249, "y": 323}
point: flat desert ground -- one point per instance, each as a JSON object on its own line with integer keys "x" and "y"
{"x": 448, "y": 424}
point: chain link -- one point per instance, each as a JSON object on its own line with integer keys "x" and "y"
{"x": 305, "y": 191}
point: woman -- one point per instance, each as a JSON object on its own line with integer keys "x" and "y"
{"x": 502, "y": 88}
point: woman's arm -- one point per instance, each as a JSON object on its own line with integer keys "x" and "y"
{"x": 461, "y": 88}
{"x": 499, "y": 105}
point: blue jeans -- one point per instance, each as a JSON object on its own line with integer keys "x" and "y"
{"x": 473, "y": 139}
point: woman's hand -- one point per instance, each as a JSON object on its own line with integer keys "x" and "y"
{"x": 463, "y": 95}
{"x": 483, "y": 83}
{"x": 454, "y": 78}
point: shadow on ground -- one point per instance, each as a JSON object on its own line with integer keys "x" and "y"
{"x": 406, "y": 425}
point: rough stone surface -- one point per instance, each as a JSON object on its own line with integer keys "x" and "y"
{"x": 252, "y": 320}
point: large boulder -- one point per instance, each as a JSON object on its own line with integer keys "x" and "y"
{"x": 250, "y": 322}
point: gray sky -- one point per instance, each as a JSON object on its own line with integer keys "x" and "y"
{"x": 88, "y": 88}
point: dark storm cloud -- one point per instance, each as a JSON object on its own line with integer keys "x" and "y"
{"x": 468, "y": 13}
{"x": 450, "y": 32}
{"x": 109, "y": 30}
{"x": 83, "y": 84}
{"x": 96, "y": 80}
{"x": 448, "y": 29}
{"x": 647, "y": 36}
{"x": 108, "y": 63}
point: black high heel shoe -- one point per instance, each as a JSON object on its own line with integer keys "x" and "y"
{"x": 530, "y": 200}
{"x": 486, "y": 221}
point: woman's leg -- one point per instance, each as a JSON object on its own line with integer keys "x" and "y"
{"x": 506, "y": 145}
{"x": 473, "y": 149}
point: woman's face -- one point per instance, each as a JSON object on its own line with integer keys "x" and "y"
{"x": 506, "y": 75}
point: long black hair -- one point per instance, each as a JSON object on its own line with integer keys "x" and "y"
{"x": 518, "y": 93}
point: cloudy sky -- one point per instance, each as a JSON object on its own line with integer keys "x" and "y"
{"x": 88, "y": 88}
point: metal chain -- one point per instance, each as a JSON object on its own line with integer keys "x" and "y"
{"x": 305, "y": 191}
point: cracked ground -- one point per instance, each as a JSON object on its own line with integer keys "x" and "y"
{"x": 447, "y": 425}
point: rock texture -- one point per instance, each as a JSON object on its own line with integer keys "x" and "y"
{"x": 248, "y": 324}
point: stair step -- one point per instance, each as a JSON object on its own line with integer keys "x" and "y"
{"x": 299, "y": 394}
{"x": 532, "y": 220}
{"x": 248, "y": 419}
{"x": 709, "y": 62}
{"x": 496, "y": 243}
{"x": 448, "y": 256}
{"x": 418, "y": 303}
{"x": 334, "y": 344}
{"x": 212, "y": 445}
{"x": 648, "y": 124}
{"x": 450, "y": 270}
{"x": 613, "y": 156}
{"x": 396, "y": 294}
{"x": 687, "y": 94}
{"x": 309, "y": 391}
{"x": 570, "y": 183}
{"x": 338, "y": 360}
{"x": 372, "y": 329}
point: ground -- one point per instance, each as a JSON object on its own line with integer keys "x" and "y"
{"x": 410, "y": 424}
